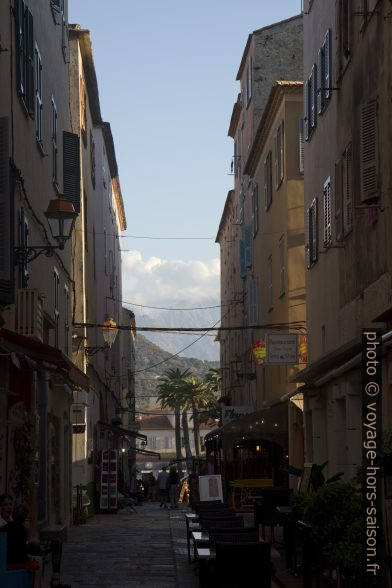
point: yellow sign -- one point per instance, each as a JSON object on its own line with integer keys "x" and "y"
{"x": 259, "y": 351}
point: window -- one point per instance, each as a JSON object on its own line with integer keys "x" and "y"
{"x": 54, "y": 142}
{"x": 64, "y": 32}
{"x": 255, "y": 210}
{"x": 85, "y": 220}
{"x": 242, "y": 259}
{"x": 248, "y": 245}
{"x": 282, "y": 269}
{"x": 249, "y": 81}
{"x": 369, "y": 151}
{"x": 269, "y": 284}
{"x": 301, "y": 140}
{"x": 66, "y": 319}
{"x": 23, "y": 242}
{"x": 56, "y": 309}
{"x": 25, "y": 55}
{"x": 327, "y": 213}
{"x": 323, "y": 74}
{"x": 312, "y": 234}
{"x": 313, "y": 97}
{"x": 152, "y": 442}
{"x": 345, "y": 28}
{"x": 241, "y": 205}
{"x": 279, "y": 155}
{"x": 268, "y": 181}
{"x": 38, "y": 96}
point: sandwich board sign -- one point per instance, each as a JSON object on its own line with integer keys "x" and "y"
{"x": 210, "y": 488}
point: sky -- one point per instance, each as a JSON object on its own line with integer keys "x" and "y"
{"x": 167, "y": 82}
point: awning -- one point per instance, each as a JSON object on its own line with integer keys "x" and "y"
{"x": 122, "y": 431}
{"x": 145, "y": 451}
{"x": 41, "y": 352}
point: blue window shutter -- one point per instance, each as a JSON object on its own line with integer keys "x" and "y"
{"x": 248, "y": 245}
{"x": 6, "y": 219}
{"x": 71, "y": 163}
{"x": 242, "y": 259}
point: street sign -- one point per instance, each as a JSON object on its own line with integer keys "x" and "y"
{"x": 282, "y": 349}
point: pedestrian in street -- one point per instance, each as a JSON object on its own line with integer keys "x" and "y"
{"x": 6, "y": 506}
{"x": 173, "y": 487}
{"x": 163, "y": 478}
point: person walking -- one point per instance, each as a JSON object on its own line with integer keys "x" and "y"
{"x": 163, "y": 478}
{"x": 173, "y": 487}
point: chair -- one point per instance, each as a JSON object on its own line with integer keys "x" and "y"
{"x": 12, "y": 578}
{"x": 233, "y": 536}
{"x": 235, "y": 523}
{"x": 238, "y": 564}
{"x": 265, "y": 513}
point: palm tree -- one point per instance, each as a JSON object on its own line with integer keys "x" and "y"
{"x": 212, "y": 383}
{"x": 200, "y": 398}
{"x": 170, "y": 394}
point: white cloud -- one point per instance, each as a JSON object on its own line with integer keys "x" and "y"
{"x": 159, "y": 282}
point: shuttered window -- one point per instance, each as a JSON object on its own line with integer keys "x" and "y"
{"x": 248, "y": 245}
{"x": 327, "y": 66}
{"x": 255, "y": 210}
{"x": 268, "y": 181}
{"x": 66, "y": 319}
{"x": 24, "y": 31}
{"x": 23, "y": 275}
{"x": 6, "y": 219}
{"x": 301, "y": 140}
{"x": 56, "y": 309}
{"x": 54, "y": 142}
{"x": 38, "y": 96}
{"x": 313, "y": 97}
{"x": 307, "y": 101}
{"x": 369, "y": 151}
{"x": 320, "y": 80}
{"x": 312, "y": 234}
{"x": 71, "y": 168}
{"x": 279, "y": 155}
{"x": 327, "y": 213}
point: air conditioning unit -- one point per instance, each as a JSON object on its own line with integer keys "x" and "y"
{"x": 29, "y": 313}
{"x": 78, "y": 418}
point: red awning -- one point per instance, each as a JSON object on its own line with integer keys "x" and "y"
{"x": 40, "y": 352}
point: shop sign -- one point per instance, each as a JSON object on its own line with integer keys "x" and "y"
{"x": 231, "y": 413}
{"x": 259, "y": 352}
{"x": 282, "y": 348}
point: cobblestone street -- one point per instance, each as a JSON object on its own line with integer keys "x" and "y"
{"x": 128, "y": 550}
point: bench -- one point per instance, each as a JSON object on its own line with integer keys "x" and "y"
{"x": 245, "y": 489}
{"x": 12, "y": 578}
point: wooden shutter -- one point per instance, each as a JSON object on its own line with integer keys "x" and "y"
{"x": 327, "y": 213}
{"x": 369, "y": 151}
{"x": 242, "y": 259}
{"x": 71, "y": 168}
{"x": 313, "y": 98}
{"x": 248, "y": 245}
{"x": 314, "y": 231}
{"x": 320, "y": 81}
{"x": 19, "y": 30}
{"x": 301, "y": 126}
{"x": 6, "y": 219}
{"x": 339, "y": 199}
{"x": 347, "y": 193}
{"x": 327, "y": 65}
{"x": 30, "y": 85}
{"x": 306, "y": 110}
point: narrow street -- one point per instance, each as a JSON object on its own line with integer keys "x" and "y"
{"x": 128, "y": 550}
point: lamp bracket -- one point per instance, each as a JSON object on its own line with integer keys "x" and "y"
{"x": 23, "y": 255}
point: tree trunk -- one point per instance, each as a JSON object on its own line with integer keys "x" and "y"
{"x": 185, "y": 428}
{"x": 196, "y": 428}
{"x": 177, "y": 425}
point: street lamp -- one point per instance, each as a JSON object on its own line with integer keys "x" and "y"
{"x": 109, "y": 331}
{"x": 236, "y": 364}
{"x": 61, "y": 217}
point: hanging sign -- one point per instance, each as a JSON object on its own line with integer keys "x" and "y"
{"x": 231, "y": 413}
{"x": 303, "y": 348}
{"x": 282, "y": 348}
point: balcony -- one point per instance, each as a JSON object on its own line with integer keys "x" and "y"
{"x": 25, "y": 317}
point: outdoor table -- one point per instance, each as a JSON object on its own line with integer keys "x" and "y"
{"x": 199, "y": 537}
{"x": 192, "y": 524}
{"x": 288, "y": 532}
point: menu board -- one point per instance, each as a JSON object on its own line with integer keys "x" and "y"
{"x": 108, "y": 494}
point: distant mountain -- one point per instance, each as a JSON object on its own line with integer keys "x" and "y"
{"x": 204, "y": 349}
{"x": 148, "y": 355}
